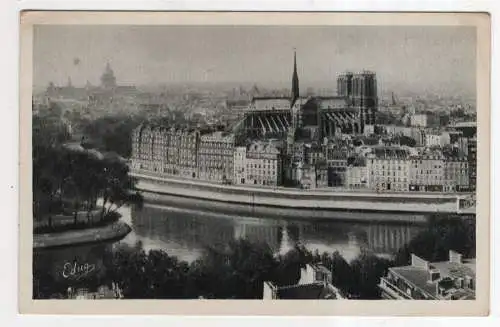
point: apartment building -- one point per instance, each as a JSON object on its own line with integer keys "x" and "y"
{"x": 216, "y": 157}
{"x": 388, "y": 168}
{"x": 454, "y": 279}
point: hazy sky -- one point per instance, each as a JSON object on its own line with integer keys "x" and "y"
{"x": 436, "y": 57}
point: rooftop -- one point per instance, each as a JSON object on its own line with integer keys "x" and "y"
{"x": 333, "y": 102}
{"x": 390, "y": 152}
{"x": 465, "y": 124}
{"x": 265, "y": 146}
{"x": 419, "y": 271}
{"x": 219, "y": 136}
{"x": 271, "y": 103}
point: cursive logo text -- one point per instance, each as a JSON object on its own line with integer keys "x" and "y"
{"x": 77, "y": 270}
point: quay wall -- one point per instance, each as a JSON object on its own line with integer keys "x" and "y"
{"x": 153, "y": 187}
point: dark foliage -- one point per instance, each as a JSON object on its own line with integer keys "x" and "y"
{"x": 441, "y": 235}
{"x": 111, "y": 133}
{"x": 66, "y": 181}
{"x": 367, "y": 270}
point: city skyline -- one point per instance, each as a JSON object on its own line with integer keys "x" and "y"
{"x": 146, "y": 55}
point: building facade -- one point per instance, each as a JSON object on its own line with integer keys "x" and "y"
{"x": 463, "y": 145}
{"x": 418, "y": 120}
{"x": 336, "y": 161}
{"x": 313, "y": 154}
{"x": 388, "y": 169}
{"x": 456, "y": 174}
{"x": 264, "y": 164}
{"x": 165, "y": 151}
{"x": 240, "y": 164}
{"x": 432, "y": 140}
{"x": 472, "y": 160}
{"x": 315, "y": 282}
{"x": 356, "y": 176}
{"x": 216, "y": 157}
{"x": 427, "y": 172}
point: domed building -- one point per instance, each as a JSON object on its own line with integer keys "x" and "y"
{"x": 108, "y": 79}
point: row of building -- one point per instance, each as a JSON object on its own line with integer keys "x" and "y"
{"x": 383, "y": 168}
{"x": 216, "y": 157}
{"x": 423, "y": 137}
{"x": 183, "y": 152}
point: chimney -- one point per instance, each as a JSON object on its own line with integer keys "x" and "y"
{"x": 307, "y": 274}
{"x": 454, "y": 257}
{"x": 434, "y": 275}
{"x": 419, "y": 262}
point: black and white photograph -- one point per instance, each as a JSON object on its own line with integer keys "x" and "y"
{"x": 255, "y": 162}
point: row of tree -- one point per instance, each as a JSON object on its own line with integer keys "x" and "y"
{"x": 237, "y": 272}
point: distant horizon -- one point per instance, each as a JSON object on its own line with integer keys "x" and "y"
{"x": 318, "y": 85}
{"x": 419, "y": 58}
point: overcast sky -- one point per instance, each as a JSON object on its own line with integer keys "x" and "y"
{"x": 418, "y": 57}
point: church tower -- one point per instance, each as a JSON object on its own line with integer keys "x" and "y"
{"x": 295, "y": 94}
{"x": 295, "y": 80}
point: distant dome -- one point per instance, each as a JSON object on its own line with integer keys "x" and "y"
{"x": 108, "y": 79}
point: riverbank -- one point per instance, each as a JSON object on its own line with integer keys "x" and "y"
{"x": 112, "y": 232}
{"x": 67, "y": 221}
{"x": 154, "y": 187}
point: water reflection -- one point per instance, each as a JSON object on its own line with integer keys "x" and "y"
{"x": 185, "y": 232}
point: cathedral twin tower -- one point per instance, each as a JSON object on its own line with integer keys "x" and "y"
{"x": 360, "y": 90}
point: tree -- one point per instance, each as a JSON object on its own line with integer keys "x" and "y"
{"x": 442, "y": 233}
{"x": 367, "y": 270}
{"x": 112, "y": 133}
{"x": 288, "y": 269}
{"x": 118, "y": 186}
{"x": 238, "y": 270}
{"x": 342, "y": 272}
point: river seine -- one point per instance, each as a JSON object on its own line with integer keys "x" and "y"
{"x": 184, "y": 227}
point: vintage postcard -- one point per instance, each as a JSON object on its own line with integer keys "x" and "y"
{"x": 226, "y": 162}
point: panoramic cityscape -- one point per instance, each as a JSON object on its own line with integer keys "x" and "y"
{"x": 185, "y": 162}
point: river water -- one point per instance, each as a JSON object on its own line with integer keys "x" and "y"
{"x": 184, "y": 228}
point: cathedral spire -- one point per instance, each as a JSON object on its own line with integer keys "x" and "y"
{"x": 295, "y": 79}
